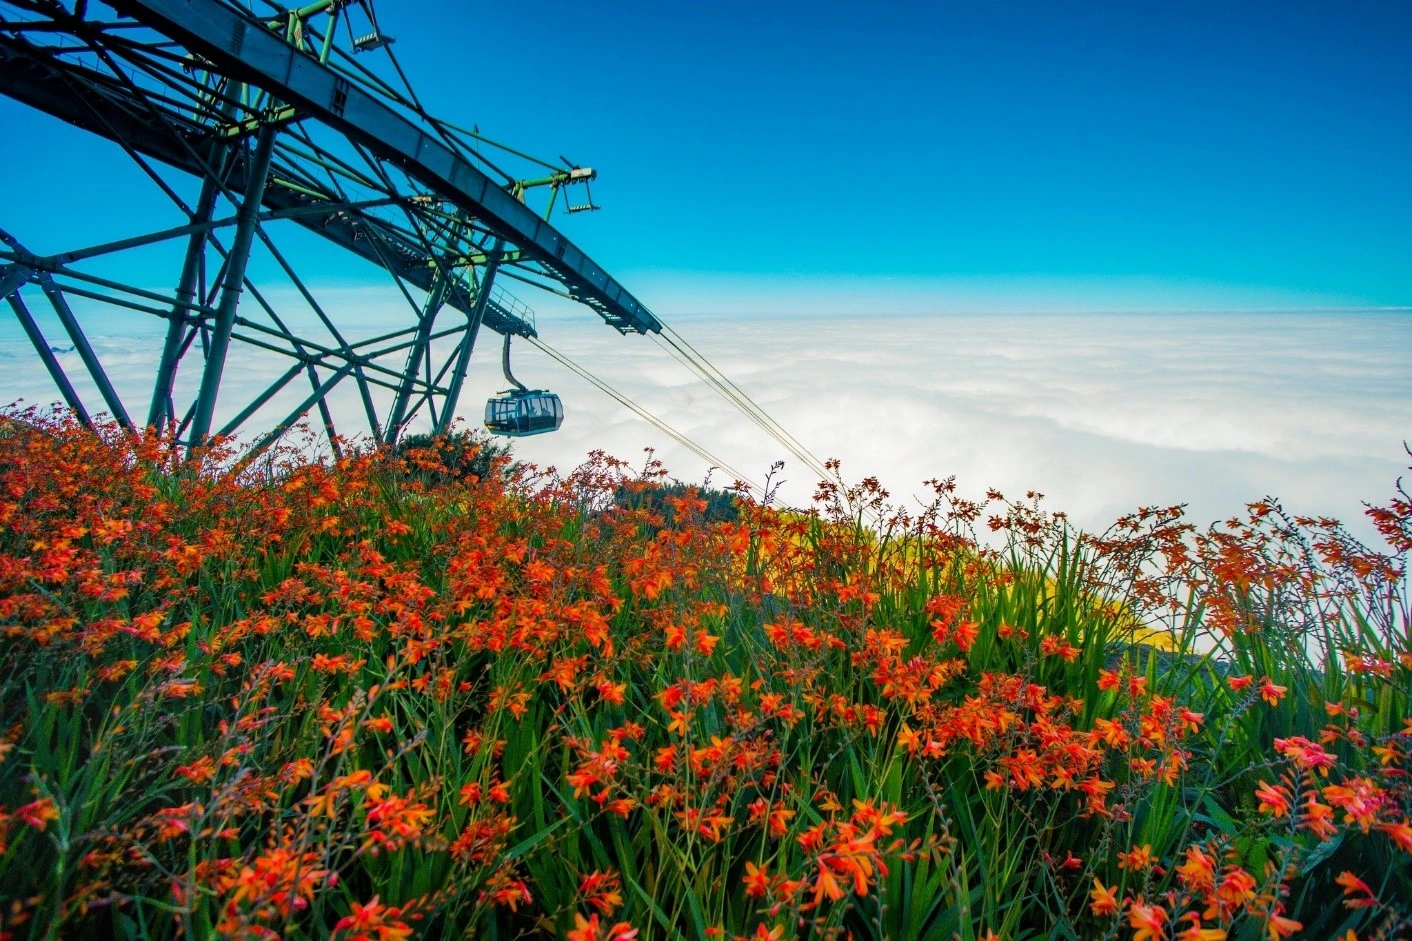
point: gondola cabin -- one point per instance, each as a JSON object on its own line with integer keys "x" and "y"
{"x": 518, "y": 414}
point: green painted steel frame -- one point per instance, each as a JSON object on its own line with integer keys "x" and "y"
{"x": 359, "y": 164}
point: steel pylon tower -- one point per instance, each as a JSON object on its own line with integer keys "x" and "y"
{"x": 254, "y": 123}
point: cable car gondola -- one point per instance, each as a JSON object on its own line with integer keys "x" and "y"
{"x": 519, "y": 412}
{"x": 524, "y": 412}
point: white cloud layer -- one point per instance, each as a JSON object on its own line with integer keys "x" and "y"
{"x": 1101, "y": 412}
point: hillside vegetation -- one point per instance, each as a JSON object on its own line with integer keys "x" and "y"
{"x": 379, "y": 698}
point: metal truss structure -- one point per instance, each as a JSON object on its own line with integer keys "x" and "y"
{"x": 256, "y": 123}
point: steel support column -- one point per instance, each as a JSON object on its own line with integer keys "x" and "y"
{"x": 12, "y": 277}
{"x": 255, "y": 405}
{"x": 324, "y": 412}
{"x": 157, "y": 414}
{"x": 84, "y": 350}
{"x": 236, "y": 260}
{"x": 274, "y": 434}
{"x": 46, "y": 355}
{"x": 414, "y": 356}
{"x": 463, "y": 356}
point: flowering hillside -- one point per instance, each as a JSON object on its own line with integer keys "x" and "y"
{"x": 380, "y": 698}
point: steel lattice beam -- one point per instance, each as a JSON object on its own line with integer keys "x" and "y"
{"x": 281, "y": 126}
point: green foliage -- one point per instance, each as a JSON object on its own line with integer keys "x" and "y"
{"x": 459, "y": 454}
{"x": 353, "y": 695}
{"x": 664, "y": 500}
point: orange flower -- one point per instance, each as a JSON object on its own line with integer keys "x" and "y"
{"x": 1354, "y": 886}
{"x": 600, "y": 889}
{"x": 1053, "y": 646}
{"x": 512, "y": 895}
{"x": 38, "y": 814}
{"x": 1148, "y": 922}
{"x": 622, "y": 806}
{"x": 1400, "y": 833}
{"x": 1195, "y": 932}
{"x": 1139, "y": 857}
{"x": 394, "y": 821}
{"x": 779, "y": 818}
{"x": 1198, "y": 871}
{"x": 907, "y": 739}
{"x": 710, "y": 826}
{"x": 1191, "y": 721}
{"x": 372, "y": 922}
{"x": 757, "y": 880}
{"x": 1278, "y": 927}
{"x": 588, "y": 929}
{"x": 965, "y": 634}
{"x": 1235, "y": 889}
{"x": 680, "y": 722}
{"x": 1271, "y": 693}
{"x": 1307, "y": 755}
{"x": 768, "y": 934}
{"x": 1318, "y": 819}
{"x": 1105, "y": 899}
{"x": 279, "y": 878}
{"x": 827, "y": 885}
{"x": 1273, "y": 800}
{"x": 1360, "y": 799}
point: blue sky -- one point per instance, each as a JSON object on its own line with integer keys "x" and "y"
{"x": 1248, "y": 144}
{"x": 1006, "y": 154}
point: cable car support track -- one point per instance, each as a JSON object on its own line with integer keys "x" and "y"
{"x": 255, "y": 122}
{"x": 281, "y": 123}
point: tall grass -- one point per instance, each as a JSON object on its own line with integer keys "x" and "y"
{"x": 377, "y": 697}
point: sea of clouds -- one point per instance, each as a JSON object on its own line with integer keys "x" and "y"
{"x": 1101, "y": 412}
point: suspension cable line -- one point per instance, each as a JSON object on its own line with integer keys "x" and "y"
{"x": 697, "y": 362}
{"x": 723, "y": 386}
{"x": 808, "y": 455}
{"x": 680, "y": 349}
{"x": 697, "y": 449}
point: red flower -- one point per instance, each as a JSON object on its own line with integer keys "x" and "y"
{"x": 38, "y": 814}
{"x": 373, "y": 922}
{"x": 757, "y": 880}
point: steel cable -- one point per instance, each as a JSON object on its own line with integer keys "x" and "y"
{"x": 694, "y": 360}
{"x": 699, "y": 450}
